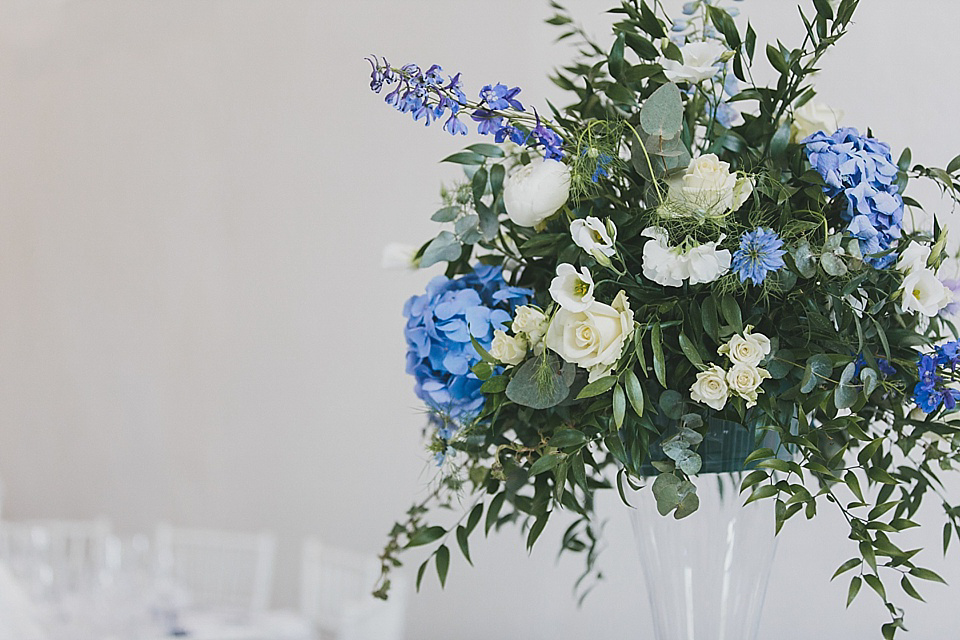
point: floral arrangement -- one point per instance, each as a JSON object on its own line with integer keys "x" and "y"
{"x": 680, "y": 244}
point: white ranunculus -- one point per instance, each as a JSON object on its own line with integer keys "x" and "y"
{"x": 508, "y": 349}
{"x": 711, "y": 388}
{"x": 534, "y": 192}
{"x": 531, "y": 322}
{"x": 594, "y": 237}
{"x": 398, "y": 256}
{"x": 813, "y": 117}
{"x": 706, "y": 263}
{"x": 671, "y": 266}
{"x": 745, "y": 380}
{"x": 699, "y": 62}
{"x": 914, "y": 257}
{"x": 749, "y": 349}
{"x": 707, "y": 189}
{"x": 594, "y": 338}
{"x": 572, "y": 289}
{"x": 923, "y": 293}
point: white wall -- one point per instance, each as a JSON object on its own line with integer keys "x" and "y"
{"x": 193, "y": 322}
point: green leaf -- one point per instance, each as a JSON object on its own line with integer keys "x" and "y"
{"x": 615, "y": 59}
{"x": 474, "y": 518}
{"x": 780, "y": 140}
{"x": 818, "y": 370}
{"x": 881, "y": 509}
{"x": 833, "y": 265}
{"x": 880, "y": 475}
{"x": 444, "y": 248}
{"x": 659, "y": 364}
{"x": 870, "y": 381}
{"x": 497, "y": 173}
{"x": 496, "y": 384}
{"x": 421, "y": 571}
{"x": 662, "y": 113}
{"x": 443, "y": 564}
{"x": 926, "y": 574}
{"x": 446, "y": 214}
{"x": 426, "y": 536}
{"x": 730, "y": 310}
{"x": 852, "y": 563}
{"x": 488, "y": 150}
{"x": 493, "y": 512}
{"x": 854, "y": 589}
{"x": 619, "y": 405}
{"x": 759, "y": 454}
{"x": 823, "y": 8}
{"x": 909, "y": 589}
{"x": 462, "y": 541}
{"x": 688, "y": 505}
{"x": 464, "y": 157}
{"x": 541, "y": 382}
{"x": 876, "y": 585}
{"x": 597, "y": 387}
{"x": 690, "y": 351}
{"x": 725, "y": 25}
{"x": 708, "y": 313}
{"x": 567, "y": 438}
{"x": 536, "y": 530}
{"x": 866, "y": 550}
{"x": 666, "y": 492}
{"x": 479, "y": 185}
{"x": 762, "y": 493}
{"x": 634, "y": 392}
{"x": 753, "y": 478}
{"x": 846, "y": 394}
{"x": 854, "y": 484}
{"x": 954, "y": 165}
{"x": 777, "y": 60}
{"x": 545, "y": 463}
{"x": 671, "y": 403}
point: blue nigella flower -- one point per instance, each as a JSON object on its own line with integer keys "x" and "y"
{"x": 862, "y": 170}
{"x": 440, "y": 325}
{"x": 761, "y": 251}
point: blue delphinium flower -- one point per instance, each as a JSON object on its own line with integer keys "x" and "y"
{"x": 499, "y": 96}
{"x": 761, "y": 251}
{"x": 440, "y": 325}
{"x": 931, "y": 393}
{"x": 863, "y": 170}
{"x": 883, "y": 366}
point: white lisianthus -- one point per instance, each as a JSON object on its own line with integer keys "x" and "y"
{"x": 594, "y": 338}
{"x": 531, "y": 322}
{"x": 536, "y": 191}
{"x": 594, "y": 237}
{"x": 398, "y": 256}
{"x": 699, "y": 62}
{"x": 707, "y": 189}
{"x": 923, "y": 293}
{"x": 749, "y": 349}
{"x": 914, "y": 257}
{"x": 671, "y": 266}
{"x": 571, "y": 289}
{"x": 508, "y": 349}
{"x": 813, "y": 117}
{"x": 745, "y": 380}
{"x": 711, "y": 388}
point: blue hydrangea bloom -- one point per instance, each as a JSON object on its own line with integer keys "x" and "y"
{"x": 863, "y": 170}
{"x": 440, "y": 324}
{"x": 761, "y": 251}
{"x": 930, "y": 393}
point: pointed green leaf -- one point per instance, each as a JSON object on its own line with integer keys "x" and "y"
{"x": 854, "y": 589}
{"x": 493, "y": 512}
{"x": 852, "y": 563}
{"x": 426, "y": 536}
{"x": 619, "y": 405}
{"x": 443, "y": 564}
{"x": 634, "y": 392}
{"x": 464, "y": 543}
{"x": 659, "y": 364}
{"x": 597, "y": 387}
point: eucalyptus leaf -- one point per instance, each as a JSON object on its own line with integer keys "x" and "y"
{"x": 666, "y": 492}
{"x": 444, "y": 248}
{"x": 662, "y": 113}
{"x": 833, "y": 265}
{"x": 539, "y": 383}
{"x": 819, "y": 368}
{"x": 804, "y": 259}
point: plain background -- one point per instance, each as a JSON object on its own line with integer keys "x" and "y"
{"x": 194, "y": 324}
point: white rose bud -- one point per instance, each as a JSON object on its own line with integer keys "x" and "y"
{"x": 923, "y": 293}
{"x": 707, "y": 189}
{"x": 711, "y": 388}
{"x": 813, "y": 117}
{"x": 531, "y": 322}
{"x": 699, "y": 62}
{"x": 745, "y": 380}
{"x": 536, "y": 191}
{"x": 592, "y": 339}
{"x": 594, "y": 237}
{"x": 749, "y": 349}
{"x": 508, "y": 349}
{"x": 572, "y": 290}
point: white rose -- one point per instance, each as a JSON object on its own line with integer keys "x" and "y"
{"x": 813, "y": 117}
{"x": 508, "y": 349}
{"x": 531, "y": 322}
{"x": 707, "y": 189}
{"x": 914, "y": 257}
{"x": 711, "y": 388}
{"x": 924, "y": 293}
{"x": 699, "y": 62}
{"x": 705, "y": 263}
{"x": 592, "y": 339}
{"x": 572, "y": 290}
{"x": 745, "y": 380}
{"x": 594, "y": 237}
{"x": 536, "y": 191}
{"x": 398, "y": 256}
{"x": 749, "y": 349}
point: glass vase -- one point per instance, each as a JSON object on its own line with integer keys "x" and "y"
{"x": 707, "y": 574}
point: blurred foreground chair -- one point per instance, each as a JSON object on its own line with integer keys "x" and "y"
{"x": 218, "y": 570}
{"x": 335, "y": 594}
